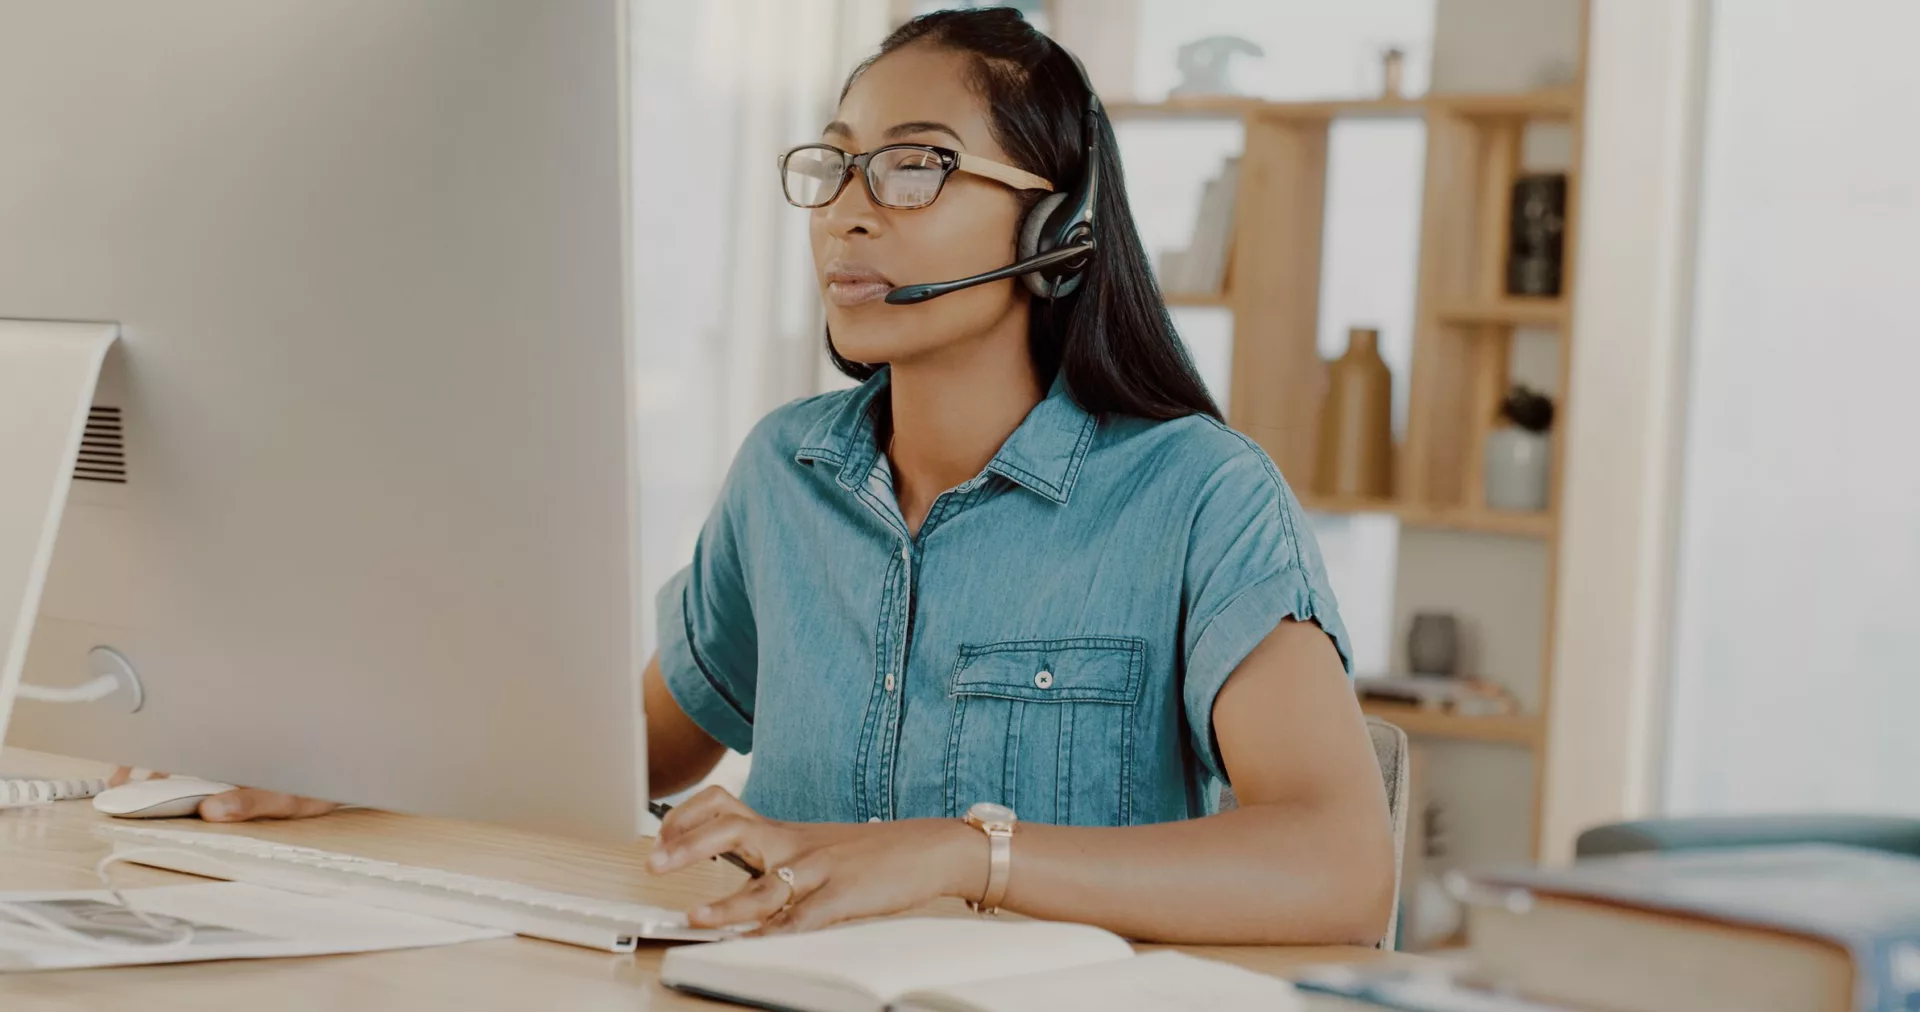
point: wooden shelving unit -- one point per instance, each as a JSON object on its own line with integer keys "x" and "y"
{"x": 1510, "y": 312}
{"x": 1465, "y": 322}
{"x": 1481, "y": 520}
{"x": 1559, "y": 104}
{"x": 1218, "y": 300}
{"x": 1359, "y": 108}
{"x": 1478, "y": 520}
{"x": 1464, "y": 325}
{"x": 1225, "y": 107}
{"x": 1520, "y": 729}
{"x": 1554, "y": 105}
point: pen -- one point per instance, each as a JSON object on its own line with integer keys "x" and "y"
{"x": 660, "y": 811}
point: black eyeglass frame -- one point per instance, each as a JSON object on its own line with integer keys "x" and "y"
{"x": 951, "y": 161}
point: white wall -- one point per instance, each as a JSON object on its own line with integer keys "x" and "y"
{"x": 1505, "y": 45}
{"x": 727, "y": 319}
{"x": 728, "y": 322}
{"x": 1796, "y": 667}
{"x": 1623, "y": 417}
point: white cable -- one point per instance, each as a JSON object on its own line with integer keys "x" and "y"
{"x": 96, "y": 688}
{"x": 181, "y": 930}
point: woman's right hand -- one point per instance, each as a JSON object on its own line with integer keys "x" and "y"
{"x": 244, "y": 804}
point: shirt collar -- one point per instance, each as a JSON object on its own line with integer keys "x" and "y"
{"x": 1043, "y": 455}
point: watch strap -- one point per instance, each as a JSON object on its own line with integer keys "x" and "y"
{"x": 999, "y": 869}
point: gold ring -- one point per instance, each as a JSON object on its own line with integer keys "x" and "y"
{"x": 785, "y": 874}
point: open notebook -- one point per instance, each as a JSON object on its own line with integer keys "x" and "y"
{"x": 956, "y": 965}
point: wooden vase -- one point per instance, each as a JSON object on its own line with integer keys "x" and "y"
{"x": 1356, "y": 422}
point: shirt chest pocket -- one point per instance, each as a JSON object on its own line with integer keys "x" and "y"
{"x": 1046, "y": 728}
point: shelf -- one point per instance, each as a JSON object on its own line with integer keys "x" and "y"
{"x": 1198, "y": 107}
{"x": 1518, "y": 729}
{"x": 1505, "y": 523}
{"x": 1551, "y": 105}
{"x": 1516, "y": 312}
{"x": 1356, "y": 108}
{"x": 1346, "y": 503}
{"x": 1217, "y": 299}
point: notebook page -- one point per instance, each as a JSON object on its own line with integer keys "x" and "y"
{"x": 231, "y": 920}
{"x": 1156, "y": 982}
{"x": 887, "y": 958}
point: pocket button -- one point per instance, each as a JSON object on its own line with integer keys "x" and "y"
{"x": 1044, "y": 679}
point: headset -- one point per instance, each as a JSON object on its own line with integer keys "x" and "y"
{"x": 1057, "y": 238}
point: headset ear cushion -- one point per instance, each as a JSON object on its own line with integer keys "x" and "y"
{"x": 1030, "y": 231}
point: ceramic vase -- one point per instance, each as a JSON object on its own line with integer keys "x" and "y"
{"x": 1356, "y": 422}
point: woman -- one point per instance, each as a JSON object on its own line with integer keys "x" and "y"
{"x": 1023, "y": 563}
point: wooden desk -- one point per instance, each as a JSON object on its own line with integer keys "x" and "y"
{"x": 53, "y": 847}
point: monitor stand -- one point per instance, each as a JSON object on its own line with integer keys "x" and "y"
{"x": 48, "y": 372}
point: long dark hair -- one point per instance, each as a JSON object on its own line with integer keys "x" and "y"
{"x": 1112, "y": 335}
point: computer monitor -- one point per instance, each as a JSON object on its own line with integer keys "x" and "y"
{"x": 375, "y": 539}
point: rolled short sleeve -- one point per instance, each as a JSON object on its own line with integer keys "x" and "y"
{"x": 709, "y": 646}
{"x": 1251, "y": 562}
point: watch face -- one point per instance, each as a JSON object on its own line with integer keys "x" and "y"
{"x": 988, "y": 813}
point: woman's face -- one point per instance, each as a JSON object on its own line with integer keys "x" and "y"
{"x": 917, "y": 95}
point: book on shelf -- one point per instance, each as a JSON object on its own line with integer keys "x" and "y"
{"x": 1172, "y": 271}
{"x": 1460, "y": 696}
{"x": 1201, "y": 267}
{"x": 1213, "y": 233}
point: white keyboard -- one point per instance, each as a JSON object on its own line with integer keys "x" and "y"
{"x": 612, "y": 925}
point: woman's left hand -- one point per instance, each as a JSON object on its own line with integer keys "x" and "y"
{"x": 840, "y": 871}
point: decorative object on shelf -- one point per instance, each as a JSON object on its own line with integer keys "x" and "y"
{"x": 1205, "y": 64}
{"x": 1518, "y": 453}
{"x": 1356, "y": 422}
{"x": 1433, "y": 644}
{"x": 1201, "y": 268}
{"x": 1393, "y": 65}
{"x": 1537, "y": 234}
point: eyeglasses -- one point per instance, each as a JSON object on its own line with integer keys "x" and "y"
{"x": 899, "y": 176}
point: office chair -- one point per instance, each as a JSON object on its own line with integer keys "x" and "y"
{"x": 1390, "y": 751}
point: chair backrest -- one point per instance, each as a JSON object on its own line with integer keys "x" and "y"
{"x": 1390, "y": 751}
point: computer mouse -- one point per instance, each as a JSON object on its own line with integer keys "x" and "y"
{"x": 160, "y": 798}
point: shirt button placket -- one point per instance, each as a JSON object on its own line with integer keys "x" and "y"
{"x": 890, "y": 706}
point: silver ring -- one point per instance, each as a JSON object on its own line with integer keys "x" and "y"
{"x": 785, "y": 874}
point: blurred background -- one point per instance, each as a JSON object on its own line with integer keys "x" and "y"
{"x": 1585, "y": 331}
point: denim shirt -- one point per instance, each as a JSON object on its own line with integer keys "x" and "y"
{"x": 1052, "y": 640}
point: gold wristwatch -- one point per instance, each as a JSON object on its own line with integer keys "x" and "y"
{"x": 997, "y": 822}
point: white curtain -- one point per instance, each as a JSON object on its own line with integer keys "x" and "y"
{"x": 726, "y": 316}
